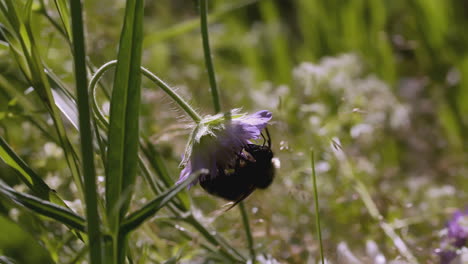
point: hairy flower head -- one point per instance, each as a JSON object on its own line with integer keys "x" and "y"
{"x": 217, "y": 141}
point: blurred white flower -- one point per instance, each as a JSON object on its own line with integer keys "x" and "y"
{"x": 373, "y": 252}
{"x": 361, "y": 129}
{"x": 265, "y": 259}
{"x": 52, "y": 150}
{"x": 343, "y": 80}
{"x": 345, "y": 256}
{"x": 54, "y": 181}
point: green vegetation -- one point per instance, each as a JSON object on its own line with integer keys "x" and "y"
{"x": 97, "y": 103}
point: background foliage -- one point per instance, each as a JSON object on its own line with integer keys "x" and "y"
{"x": 376, "y": 88}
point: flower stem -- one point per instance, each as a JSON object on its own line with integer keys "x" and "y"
{"x": 217, "y": 106}
{"x": 317, "y": 211}
{"x": 168, "y": 90}
{"x": 207, "y": 53}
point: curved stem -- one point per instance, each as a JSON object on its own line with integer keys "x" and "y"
{"x": 207, "y": 53}
{"x": 168, "y": 90}
{"x": 184, "y": 105}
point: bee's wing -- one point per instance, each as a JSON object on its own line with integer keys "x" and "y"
{"x": 245, "y": 195}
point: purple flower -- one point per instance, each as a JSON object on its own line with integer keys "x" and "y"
{"x": 217, "y": 141}
{"x": 457, "y": 236}
{"x": 458, "y": 228}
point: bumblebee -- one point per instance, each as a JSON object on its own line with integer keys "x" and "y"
{"x": 252, "y": 169}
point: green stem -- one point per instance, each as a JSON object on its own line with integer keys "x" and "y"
{"x": 168, "y": 90}
{"x": 217, "y": 106}
{"x": 207, "y": 53}
{"x": 317, "y": 211}
{"x": 245, "y": 221}
{"x": 87, "y": 151}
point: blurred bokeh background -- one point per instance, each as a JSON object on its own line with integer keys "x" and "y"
{"x": 376, "y": 88}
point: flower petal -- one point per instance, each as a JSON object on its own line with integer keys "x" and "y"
{"x": 250, "y": 126}
{"x": 185, "y": 173}
{"x": 259, "y": 119}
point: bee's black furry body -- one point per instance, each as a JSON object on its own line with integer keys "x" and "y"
{"x": 248, "y": 174}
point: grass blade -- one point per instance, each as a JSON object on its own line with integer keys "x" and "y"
{"x": 43, "y": 207}
{"x": 124, "y": 110}
{"x": 87, "y": 151}
{"x": 122, "y": 153}
{"x": 62, "y": 8}
{"x": 27, "y": 175}
{"x": 137, "y": 218}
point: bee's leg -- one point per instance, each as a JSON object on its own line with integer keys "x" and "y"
{"x": 269, "y": 138}
{"x": 264, "y": 139}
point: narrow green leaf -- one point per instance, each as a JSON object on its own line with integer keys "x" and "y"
{"x": 62, "y": 8}
{"x": 124, "y": 110}
{"x": 137, "y": 218}
{"x": 123, "y": 134}
{"x": 87, "y": 151}
{"x": 43, "y": 207}
{"x": 27, "y": 175}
